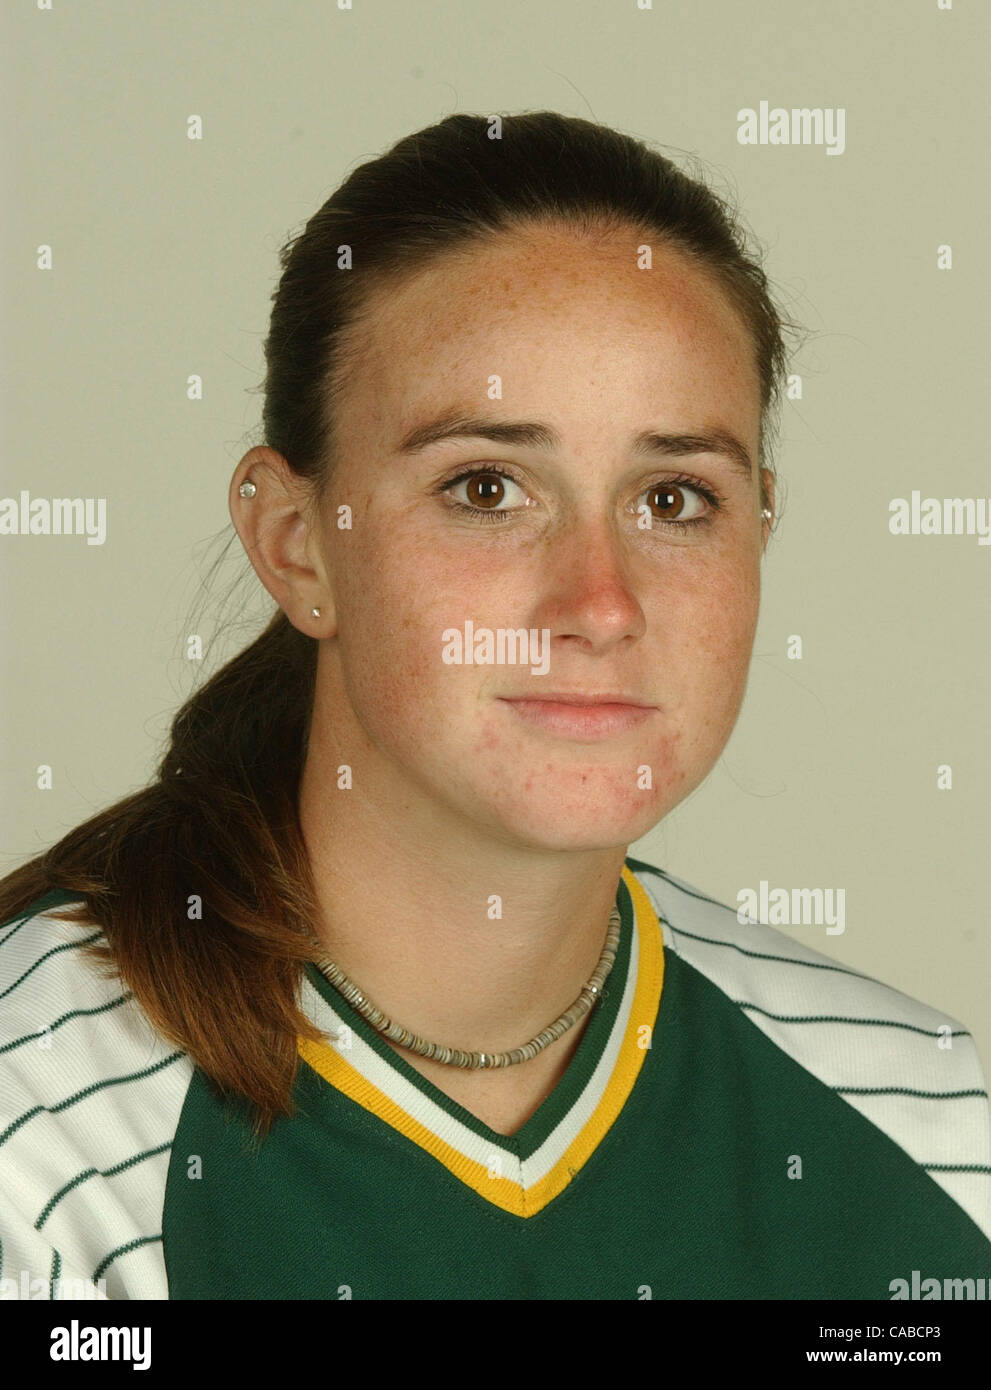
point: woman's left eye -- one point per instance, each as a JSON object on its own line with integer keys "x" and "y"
{"x": 671, "y": 497}
{"x": 486, "y": 490}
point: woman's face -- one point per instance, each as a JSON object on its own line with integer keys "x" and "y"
{"x": 569, "y": 334}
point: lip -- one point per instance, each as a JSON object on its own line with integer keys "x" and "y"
{"x": 581, "y": 715}
{"x": 580, "y": 697}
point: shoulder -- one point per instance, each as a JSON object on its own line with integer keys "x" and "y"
{"x": 776, "y": 978}
{"x": 909, "y": 1068}
{"x": 90, "y": 1096}
{"x": 56, "y": 1001}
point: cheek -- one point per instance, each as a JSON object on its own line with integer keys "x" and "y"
{"x": 394, "y": 606}
{"x": 714, "y": 647}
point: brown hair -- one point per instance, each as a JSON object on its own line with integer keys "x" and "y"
{"x": 219, "y": 824}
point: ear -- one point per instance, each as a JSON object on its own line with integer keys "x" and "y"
{"x": 276, "y": 527}
{"x": 767, "y": 486}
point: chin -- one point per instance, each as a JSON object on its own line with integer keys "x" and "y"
{"x": 584, "y": 825}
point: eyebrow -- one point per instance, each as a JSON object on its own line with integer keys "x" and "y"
{"x": 533, "y": 435}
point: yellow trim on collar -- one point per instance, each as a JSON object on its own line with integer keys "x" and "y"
{"x": 505, "y": 1192}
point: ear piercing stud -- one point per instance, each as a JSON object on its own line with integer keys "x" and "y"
{"x": 248, "y": 489}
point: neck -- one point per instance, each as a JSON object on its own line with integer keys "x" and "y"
{"x": 404, "y": 889}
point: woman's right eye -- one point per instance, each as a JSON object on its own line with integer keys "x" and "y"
{"x": 485, "y": 488}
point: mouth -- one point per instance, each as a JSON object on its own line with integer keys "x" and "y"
{"x": 581, "y": 715}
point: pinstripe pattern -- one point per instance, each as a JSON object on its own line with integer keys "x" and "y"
{"x": 90, "y": 1098}
{"x": 90, "y": 1095}
{"x": 871, "y": 1044}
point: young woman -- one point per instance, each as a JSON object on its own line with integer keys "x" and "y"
{"x": 386, "y": 1011}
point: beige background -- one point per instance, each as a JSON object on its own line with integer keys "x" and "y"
{"x": 165, "y": 255}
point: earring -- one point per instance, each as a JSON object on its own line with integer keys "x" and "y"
{"x": 315, "y": 612}
{"x": 247, "y": 489}
{"x": 766, "y": 513}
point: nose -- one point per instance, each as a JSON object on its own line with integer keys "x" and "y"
{"x": 587, "y": 587}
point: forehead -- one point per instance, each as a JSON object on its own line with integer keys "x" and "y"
{"x": 548, "y": 307}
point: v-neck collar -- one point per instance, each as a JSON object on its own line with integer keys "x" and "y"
{"x": 524, "y": 1171}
